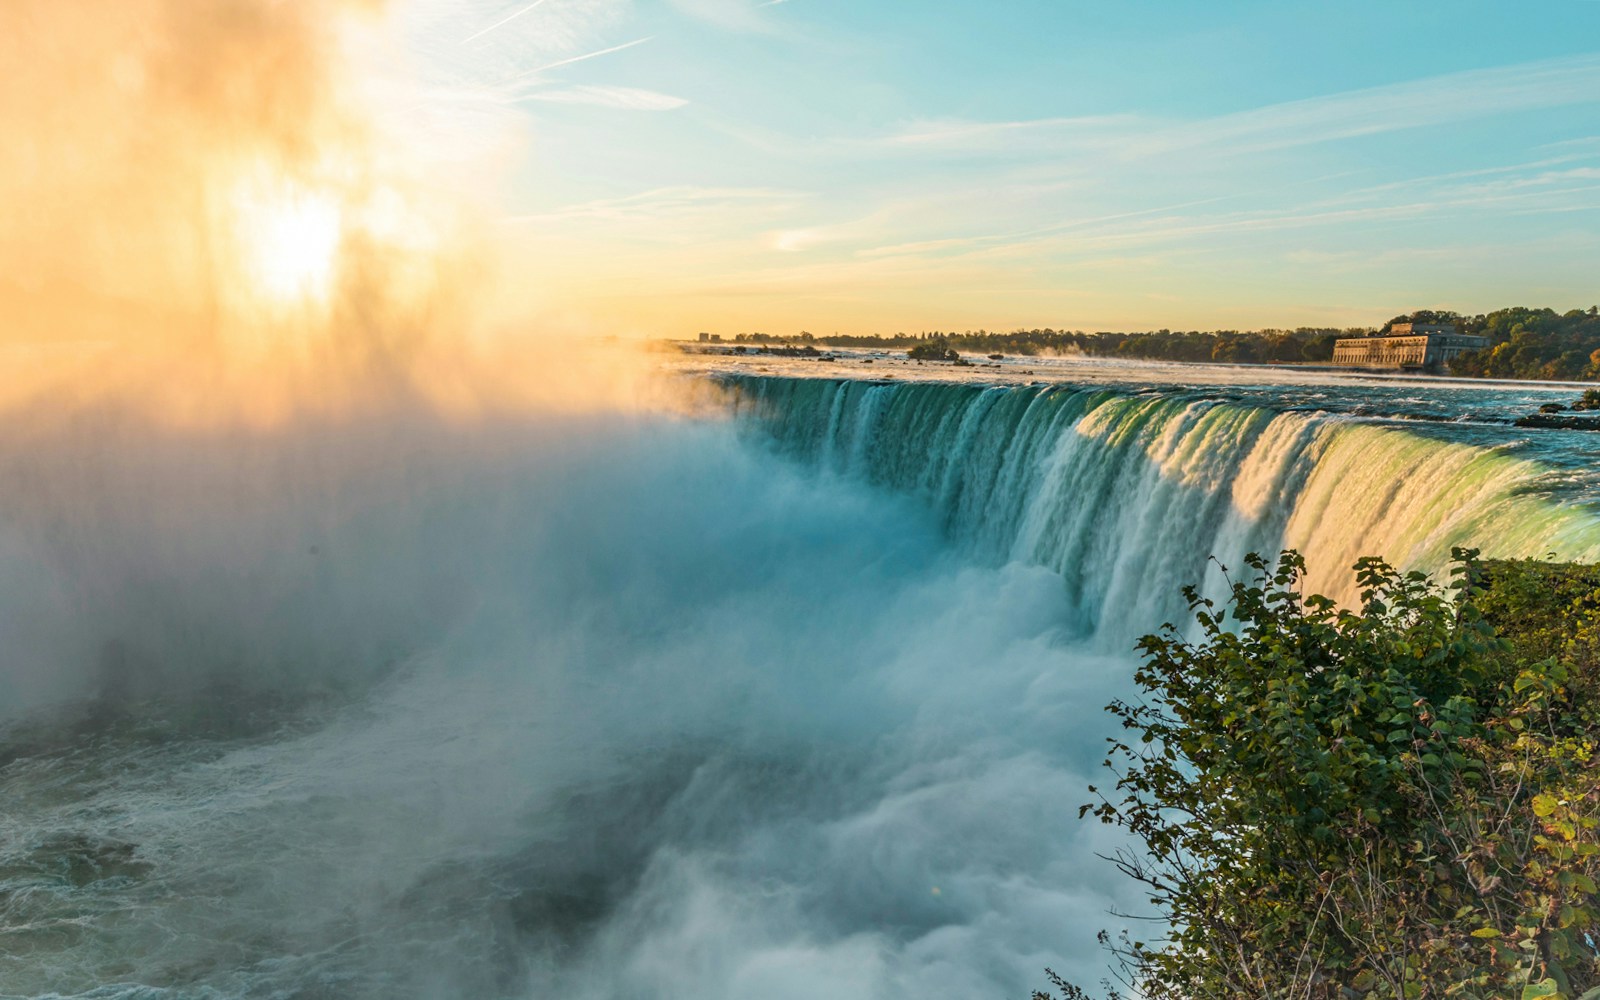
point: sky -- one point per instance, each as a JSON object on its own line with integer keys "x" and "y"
{"x": 275, "y": 192}
{"x": 865, "y": 166}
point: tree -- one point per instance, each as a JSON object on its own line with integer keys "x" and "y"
{"x": 1320, "y": 348}
{"x": 1388, "y": 802}
{"x": 1425, "y": 317}
{"x": 1235, "y": 349}
{"x": 933, "y": 350}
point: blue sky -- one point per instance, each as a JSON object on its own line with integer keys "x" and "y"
{"x": 866, "y": 166}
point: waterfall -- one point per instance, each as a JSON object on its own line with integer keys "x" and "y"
{"x": 798, "y": 703}
{"x": 1129, "y": 496}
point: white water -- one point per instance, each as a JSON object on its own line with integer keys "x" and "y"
{"x": 800, "y": 705}
{"x": 582, "y": 708}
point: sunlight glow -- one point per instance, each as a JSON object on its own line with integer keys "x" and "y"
{"x": 290, "y": 236}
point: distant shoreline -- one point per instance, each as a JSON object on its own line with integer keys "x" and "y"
{"x": 849, "y": 354}
{"x": 1522, "y": 343}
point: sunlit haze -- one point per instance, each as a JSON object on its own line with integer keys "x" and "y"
{"x": 262, "y": 174}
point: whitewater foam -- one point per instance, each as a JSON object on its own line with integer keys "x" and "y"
{"x": 690, "y": 723}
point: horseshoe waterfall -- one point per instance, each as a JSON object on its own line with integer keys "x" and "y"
{"x": 795, "y": 697}
{"x": 1129, "y": 496}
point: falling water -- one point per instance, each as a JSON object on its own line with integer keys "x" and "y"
{"x": 1129, "y": 496}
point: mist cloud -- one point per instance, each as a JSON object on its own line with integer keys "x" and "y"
{"x": 611, "y": 706}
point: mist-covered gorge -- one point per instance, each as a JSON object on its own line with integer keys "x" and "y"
{"x": 594, "y": 706}
{"x": 796, "y": 698}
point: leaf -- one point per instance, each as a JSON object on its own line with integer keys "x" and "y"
{"x": 1543, "y": 988}
{"x": 1544, "y": 804}
{"x": 1485, "y": 932}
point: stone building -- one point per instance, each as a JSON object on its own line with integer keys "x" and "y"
{"x": 1407, "y": 345}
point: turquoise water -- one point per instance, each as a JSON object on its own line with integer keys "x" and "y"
{"x": 1128, "y": 490}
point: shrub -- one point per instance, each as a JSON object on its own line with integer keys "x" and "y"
{"x": 1390, "y": 802}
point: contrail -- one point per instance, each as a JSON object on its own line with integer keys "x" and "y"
{"x": 577, "y": 59}
{"x": 503, "y": 21}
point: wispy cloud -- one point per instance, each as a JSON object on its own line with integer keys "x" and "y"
{"x": 1069, "y": 164}
{"x": 1435, "y": 100}
{"x": 731, "y": 15}
{"x": 903, "y": 231}
{"x": 620, "y": 98}
{"x": 672, "y": 204}
{"x": 1579, "y": 193}
{"x": 930, "y": 208}
{"x": 969, "y": 134}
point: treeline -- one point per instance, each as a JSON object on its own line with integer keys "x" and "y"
{"x": 1523, "y": 343}
{"x": 1258, "y": 346}
{"x": 1530, "y": 343}
{"x": 1396, "y": 802}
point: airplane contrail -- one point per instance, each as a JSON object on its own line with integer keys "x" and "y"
{"x": 503, "y": 21}
{"x": 588, "y": 55}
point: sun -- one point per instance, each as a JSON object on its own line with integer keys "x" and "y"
{"x": 289, "y": 236}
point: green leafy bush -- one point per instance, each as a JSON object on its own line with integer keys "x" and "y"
{"x": 1396, "y": 801}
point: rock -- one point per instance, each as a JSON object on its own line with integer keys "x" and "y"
{"x": 1559, "y": 423}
